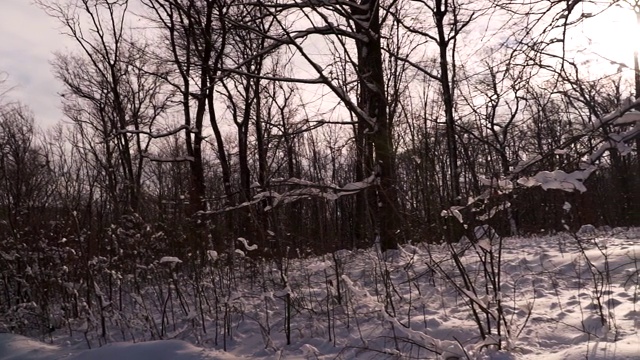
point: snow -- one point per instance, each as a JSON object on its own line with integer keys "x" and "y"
{"x": 16, "y": 347}
{"x": 246, "y": 244}
{"x": 503, "y": 184}
{"x": 213, "y": 255}
{"x": 630, "y": 117}
{"x": 586, "y": 230}
{"x": 170, "y": 259}
{"x": 168, "y": 159}
{"x": 308, "y": 189}
{"x": 559, "y": 179}
{"x": 567, "y": 296}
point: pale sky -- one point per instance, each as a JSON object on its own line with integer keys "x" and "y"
{"x": 29, "y": 38}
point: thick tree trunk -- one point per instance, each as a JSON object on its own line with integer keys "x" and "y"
{"x": 373, "y": 101}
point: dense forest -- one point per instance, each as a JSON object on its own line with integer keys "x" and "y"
{"x": 304, "y": 127}
{"x": 313, "y": 126}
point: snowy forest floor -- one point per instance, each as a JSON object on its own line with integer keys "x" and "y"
{"x": 565, "y": 296}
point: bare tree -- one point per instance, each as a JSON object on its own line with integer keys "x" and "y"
{"x": 359, "y": 28}
{"x": 26, "y": 182}
{"x": 108, "y": 92}
{"x": 196, "y": 36}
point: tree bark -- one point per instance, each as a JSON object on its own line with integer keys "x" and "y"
{"x": 373, "y": 101}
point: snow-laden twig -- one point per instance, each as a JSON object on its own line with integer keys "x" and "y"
{"x": 310, "y": 189}
{"x": 168, "y": 159}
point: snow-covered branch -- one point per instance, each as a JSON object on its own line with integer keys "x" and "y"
{"x": 559, "y": 179}
{"x": 155, "y": 135}
{"x": 168, "y": 159}
{"x": 309, "y": 189}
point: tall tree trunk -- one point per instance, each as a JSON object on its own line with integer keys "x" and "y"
{"x": 373, "y": 102}
{"x": 440, "y": 14}
{"x": 636, "y": 67}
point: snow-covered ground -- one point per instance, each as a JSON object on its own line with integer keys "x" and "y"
{"x": 551, "y": 297}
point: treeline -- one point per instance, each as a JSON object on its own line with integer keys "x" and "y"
{"x": 309, "y": 127}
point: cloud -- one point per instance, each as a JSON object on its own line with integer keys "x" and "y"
{"x": 29, "y": 38}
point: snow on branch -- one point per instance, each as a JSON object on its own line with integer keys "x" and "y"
{"x": 170, "y": 259}
{"x": 156, "y": 135}
{"x": 559, "y": 179}
{"x": 168, "y": 159}
{"x": 616, "y": 141}
{"x": 573, "y": 181}
{"x": 330, "y": 29}
{"x": 625, "y": 115}
{"x": 314, "y": 190}
{"x": 309, "y": 189}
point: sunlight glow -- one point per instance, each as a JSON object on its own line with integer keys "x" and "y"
{"x": 612, "y": 35}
